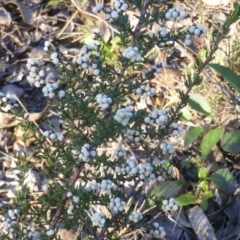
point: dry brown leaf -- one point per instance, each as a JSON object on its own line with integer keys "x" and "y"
{"x": 200, "y": 224}
{"x": 9, "y": 120}
{"x": 181, "y": 218}
{"x": 20, "y": 134}
{"x": 5, "y": 18}
{"x": 25, "y": 12}
{"x": 65, "y": 234}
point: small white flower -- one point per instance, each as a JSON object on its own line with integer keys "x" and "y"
{"x": 135, "y": 216}
{"x": 56, "y": 61}
{"x": 76, "y": 199}
{"x": 114, "y": 14}
{"x": 98, "y": 219}
{"x": 50, "y": 232}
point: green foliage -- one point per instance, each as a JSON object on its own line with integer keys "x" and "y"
{"x": 186, "y": 199}
{"x": 192, "y": 135}
{"x": 200, "y": 104}
{"x": 209, "y": 141}
{"x": 229, "y": 75}
{"x": 166, "y": 189}
{"x": 86, "y": 123}
{"x": 231, "y": 141}
{"x": 222, "y": 179}
{"x": 186, "y": 115}
{"x": 53, "y": 2}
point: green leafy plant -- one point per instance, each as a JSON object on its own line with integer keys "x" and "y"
{"x": 108, "y": 156}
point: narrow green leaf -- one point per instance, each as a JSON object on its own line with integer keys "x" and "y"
{"x": 228, "y": 176}
{"x": 229, "y": 75}
{"x": 166, "y": 189}
{"x": 202, "y": 173}
{"x": 204, "y": 204}
{"x": 204, "y": 185}
{"x": 53, "y": 3}
{"x": 231, "y": 142}
{"x": 209, "y": 194}
{"x": 219, "y": 181}
{"x": 209, "y": 141}
{"x": 192, "y": 135}
{"x": 186, "y": 199}
{"x": 200, "y": 104}
{"x": 186, "y": 115}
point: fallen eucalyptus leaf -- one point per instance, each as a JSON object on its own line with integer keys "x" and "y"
{"x": 200, "y": 224}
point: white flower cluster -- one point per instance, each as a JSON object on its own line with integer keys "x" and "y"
{"x": 132, "y": 53}
{"x": 157, "y": 67}
{"x": 158, "y": 117}
{"x": 146, "y": 91}
{"x": 167, "y": 148}
{"x": 44, "y": 187}
{"x": 13, "y": 213}
{"x": 116, "y": 205}
{"x": 176, "y": 129}
{"x": 119, "y": 153}
{"x": 134, "y": 136}
{"x": 135, "y": 216}
{"x": 107, "y": 186}
{"x": 53, "y": 135}
{"x": 162, "y": 33}
{"x": 29, "y": 231}
{"x": 169, "y": 205}
{"x": 103, "y": 100}
{"x": 123, "y": 115}
{"x": 96, "y": 9}
{"x": 120, "y": 5}
{"x": 75, "y": 200}
{"x": 87, "y": 153}
{"x": 48, "y": 89}
{"x": 176, "y": 14}
{"x": 37, "y": 76}
{"x": 90, "y": 54}
{"x": 50, "y": 232}
{"x": 6, "y": 104}
{"x": 128, "y": 168}
{"x": 110, "y": 14}
{"x": 54, "y": 57}
{"x": 145, "y": 170}
{"x": 47, "y": 46}
{"x": 99, "y": 219}
{"x": 162, "y": 36}
{"x": 195, "y": 31}
{"x": 157, "y": 232}
{"x": 36, "y": 73}
{"x": 7, "y": 224}
{"x": 92, "y": 187}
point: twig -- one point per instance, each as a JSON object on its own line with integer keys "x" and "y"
{"x": 66, "y": 24}
{"x": 76, "y": 172}
{"x": 48, "y": 140}
{"x": 94, "y": 16}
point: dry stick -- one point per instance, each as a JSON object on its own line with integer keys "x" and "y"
{"x": 94, "y": 16}
{"x": 32, "y": 119}
{"x": 76, "y": 172}
{"x": 66, "y": 24}
{"x": 137, "y": 29}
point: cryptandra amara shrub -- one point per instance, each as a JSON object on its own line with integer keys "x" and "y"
{"x": 97, "y": 167}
